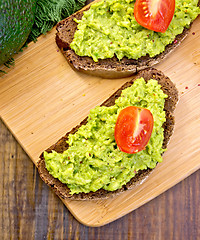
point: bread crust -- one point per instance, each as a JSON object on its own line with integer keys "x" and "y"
{"x": 63, "y": 191}
{"x": 106, "y": 68}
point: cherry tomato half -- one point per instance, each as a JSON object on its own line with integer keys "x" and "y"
{"x": 155, "y": 15}
{"x": 133, "y": 129}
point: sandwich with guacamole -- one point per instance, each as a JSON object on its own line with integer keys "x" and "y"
{"x": 118, "y": 145}
{"x": 116, "y": 38}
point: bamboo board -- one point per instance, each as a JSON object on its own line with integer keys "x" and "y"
{"x": 42, "y": 98}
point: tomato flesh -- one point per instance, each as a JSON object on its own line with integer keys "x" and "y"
{"x": 133, "y": 129}
{"x": 155, "y": 15}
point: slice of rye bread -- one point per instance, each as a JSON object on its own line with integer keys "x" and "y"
{"x": 106, "y": 68}
{"x": 63, "y": 191}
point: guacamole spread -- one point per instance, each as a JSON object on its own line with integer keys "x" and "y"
{"x": 93, "y": 160}
{"x": 109, "y": 28}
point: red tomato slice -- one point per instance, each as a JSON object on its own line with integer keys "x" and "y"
{"x": 155, "y": 15}
{"x": 133, "y": 129}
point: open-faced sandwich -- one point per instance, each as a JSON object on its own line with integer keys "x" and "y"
{"x": 107, "y": 39}
{"x": 118, "y": 145}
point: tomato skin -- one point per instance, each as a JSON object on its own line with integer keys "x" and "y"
{"x": 155, "y": 15}
{"x": 133, "y": 129}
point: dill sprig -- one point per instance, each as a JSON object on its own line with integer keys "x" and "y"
{"x": 48, "y": 13}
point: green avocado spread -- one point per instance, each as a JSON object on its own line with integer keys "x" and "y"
{"x": 109, "y": 28}
{"x": 93, "y": 160}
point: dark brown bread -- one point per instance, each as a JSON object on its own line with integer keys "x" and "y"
{"x": 106, "y": 68}
{"x": 170, "y": 103}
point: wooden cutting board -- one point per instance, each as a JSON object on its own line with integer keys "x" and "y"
{"x": 41, "y": 98}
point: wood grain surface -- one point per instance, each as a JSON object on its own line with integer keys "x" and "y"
{"x": 42, "y": 98}
{"x": 28, "y": 210}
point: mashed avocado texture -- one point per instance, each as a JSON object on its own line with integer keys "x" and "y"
{"x": 109, "y": 28}
{"x": 93, "y": 160}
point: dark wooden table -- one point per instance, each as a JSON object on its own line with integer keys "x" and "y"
{"x": 30, "y": 210}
